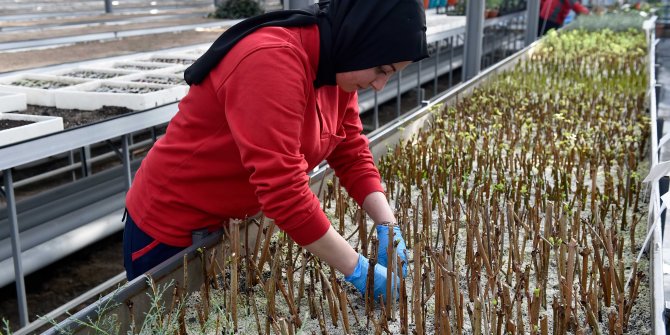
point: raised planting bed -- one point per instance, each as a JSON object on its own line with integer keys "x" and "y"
{"x": 12, "y": 102}
{"x": 20, "y": 127}
{"x": 521, "y": 201}
{"x": 39, "y": 89}
{"x": 135, "y": 96}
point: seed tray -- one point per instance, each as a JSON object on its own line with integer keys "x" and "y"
{"x": 140, "y": 66}
{"x": 94, "y": 74}
{"x": 39, "y": 89}
{"x": 12, "y": 102}
{"x": 161, "y": 79}
{"x": 27, "y": 127}
{"x": 183, "y": 60}
{"x": 135, "y": 96}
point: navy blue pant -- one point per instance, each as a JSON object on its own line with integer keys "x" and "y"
{"x": 141, "y": 252}
{"x": 543, "y": 26}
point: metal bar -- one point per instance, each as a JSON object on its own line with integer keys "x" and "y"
{"x": 108, "y": 6}
{"x": 398, "y": 98}
{"x": 52, "y": 173}
{"x": 484, "y": 58}
{"x": 474, "y": 30}
{"x": 655, "y": 246}
{"x": 419, "y": 96}
{"x": 116, "y": 150}
{"x": 126, "y": 161}
{"x": 376, "y": 112}
{"x": 451, "y": 61}
{"x": 86, "y": 163}
{"x": 510, "y": 37}
{"x": 532, "y": 20}
{"x": 70, "y": 159}
{"x": 436, "y": 65}
{"x": 92, "y": 293}
{"x": 16, "y": 248}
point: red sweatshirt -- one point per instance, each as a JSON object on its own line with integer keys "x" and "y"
{"x": 557, "y": 10}
{"x": 245, "y": 138}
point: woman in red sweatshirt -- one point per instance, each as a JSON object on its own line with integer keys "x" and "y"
{"x": 273, "y": 97}
{"x": 554, "y": 12}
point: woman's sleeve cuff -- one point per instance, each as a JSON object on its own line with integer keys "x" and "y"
{"x": 311, "y": 230}
{"x": 363, "y": 187}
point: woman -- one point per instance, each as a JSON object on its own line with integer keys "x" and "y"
{"x": 271, "y": 98}
{"x": 554, "y": 12}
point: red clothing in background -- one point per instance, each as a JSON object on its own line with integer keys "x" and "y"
{"x": 557, "y": 10}
{"x": 245, "y": 138}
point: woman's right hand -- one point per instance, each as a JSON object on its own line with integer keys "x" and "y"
{"x": 359, "y": 279}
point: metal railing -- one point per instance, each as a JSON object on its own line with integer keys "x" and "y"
{"x": 654, "y": 244}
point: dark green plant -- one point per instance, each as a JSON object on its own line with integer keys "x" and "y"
{"x": 237, "y": 9}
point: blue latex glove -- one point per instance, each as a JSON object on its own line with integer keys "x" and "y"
{"x": 401, "y": 249}
{"x": 359, "y": 278}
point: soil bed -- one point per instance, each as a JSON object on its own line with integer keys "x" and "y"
{"x": 93, "y": 74}
{"x": 9, "y": 124}
{"x": 74, "y": 117}
{"x": 43, "y": 84}
{"x": 163, "y": 80}
{"x": 130, "y": 90}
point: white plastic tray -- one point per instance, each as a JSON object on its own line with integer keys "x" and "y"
{"x": 41, "y": 125}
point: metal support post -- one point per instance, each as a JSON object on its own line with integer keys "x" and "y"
{"x": 108, "y": 6}
{"x": 419, "y": 96}
{"x": 398, "y": 96}
{"x": 16, "y": 248}
{"x": 451, "y": 61}
{"x": 485, "y": 55}
{"x": 376, "y": 113}
{"x": 126, "y": 161}
{"x": 70, "y": 160}
{"x": 512, "y": 37}
{"x": 85, "y": 153}
{"x": 297, "y": 4}
{"x": 437, "y": 64}
{"x": 474, "y": 31}
{"x": 532, "y": 20}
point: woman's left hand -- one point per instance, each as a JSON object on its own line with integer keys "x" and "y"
{"x": 401, "y": 249}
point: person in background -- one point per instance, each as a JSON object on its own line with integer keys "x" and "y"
{"x": 273, "y": 97}
{"x": 554, "y": 12}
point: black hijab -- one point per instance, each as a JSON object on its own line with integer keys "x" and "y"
{"x": 354, "y": 35}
